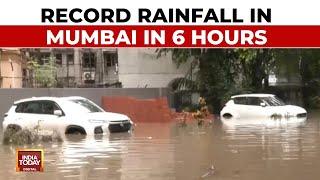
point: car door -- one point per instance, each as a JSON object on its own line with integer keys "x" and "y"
{"x": 28, "y": 114}
{"x": 255, "y": 110}
{"x": 240, "y": 107}
{"x": 48, "y": 120}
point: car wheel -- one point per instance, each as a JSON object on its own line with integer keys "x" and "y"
{"x": 75, "y": 130}
{"x": 227, "y": 115}
{"x": 13, "y": 128}
{"x": 276, "y": 116}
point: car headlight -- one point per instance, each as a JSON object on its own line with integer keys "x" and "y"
{"x": 131, "y": 122}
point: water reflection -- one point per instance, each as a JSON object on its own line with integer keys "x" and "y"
{"x": 89, "y": 156}
{"x": 287, "y": 138}
{"x": 267, "y": 121}
{"x": 166, "y": 151}
{"x": 143, "y": 154}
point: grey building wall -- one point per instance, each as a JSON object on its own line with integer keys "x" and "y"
{"x": 140, "y": 67}
{"x": 8, "y": 96}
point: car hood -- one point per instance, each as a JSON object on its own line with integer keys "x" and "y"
{"x": 109, "y": 116}
{"x": 291, "y": 109}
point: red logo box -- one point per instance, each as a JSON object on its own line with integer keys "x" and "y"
{"x": 29, "y": 160}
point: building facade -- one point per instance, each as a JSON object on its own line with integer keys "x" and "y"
{"x": 110, "y": 67}
{"x": 12, "y": 68}
{"x": 141, "y": 68}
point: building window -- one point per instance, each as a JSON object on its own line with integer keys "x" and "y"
{"x": 44, "y": 58}
{"x": 110, "y": 59}
{"x": 58, "y": 59}
{"x": 89, "y": 60}
{"x": 24, "y": 72}
{"x": 70, "y": 59}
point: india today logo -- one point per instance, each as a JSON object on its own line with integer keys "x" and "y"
{"x": 29, "y": 160}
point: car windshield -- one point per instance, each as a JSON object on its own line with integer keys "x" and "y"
{"x": 91, "y": 107}
{"x": 273, "y": 101}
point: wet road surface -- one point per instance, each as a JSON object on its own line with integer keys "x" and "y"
{"x": 165, "y": 151}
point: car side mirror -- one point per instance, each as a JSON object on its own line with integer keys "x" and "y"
{"x": 263, "y": 104}
{"x": 57, "y": 112}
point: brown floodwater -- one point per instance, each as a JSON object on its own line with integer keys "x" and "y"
{"x": 165, "y": 151}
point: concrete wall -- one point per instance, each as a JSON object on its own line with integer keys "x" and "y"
{"x": 140, "y": 67}
{"x": 11, "y": 79}
{"x": 8, "y": 96}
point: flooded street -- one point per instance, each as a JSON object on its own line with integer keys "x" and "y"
{"x": 165, "y": 151}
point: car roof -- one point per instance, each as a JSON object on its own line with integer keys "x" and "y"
{"x": 253, "y": 95}
{"x": 47, "y": 98}
{"x": 72, "y": 97}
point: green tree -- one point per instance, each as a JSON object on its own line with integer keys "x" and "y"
{"x": 219, "y": 71}
{"x": 45, "y": 74}
{"x": 310, "y": 76}
{"x": 215, "y": 68}
{"x": 256, "y": 65}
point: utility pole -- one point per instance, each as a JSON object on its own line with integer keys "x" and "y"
{"x": 68, "y": 80}
{"x": 12, "y": 74}
{"x": 90, "y": 65}
{"x": 99, "y": 67}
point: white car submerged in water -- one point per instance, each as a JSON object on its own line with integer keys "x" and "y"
{"x": 257, "y": 108}
{"x": 66, "y": 115}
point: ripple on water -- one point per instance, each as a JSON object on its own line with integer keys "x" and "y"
{"x": 163, "y": 151}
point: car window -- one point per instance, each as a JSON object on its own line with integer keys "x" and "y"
{"x": 240, "y": 100}
{"x": 20, "y": 107}
{"x": 273, "y": 101}
{"x": 29, "y": 107}
{"x": 89, "y": 106}
{"x": 48, "y": 107}
{"x": 37, "y": 107}
{"x": 254, "y": 101}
